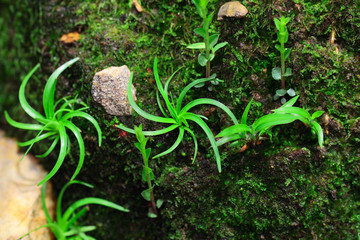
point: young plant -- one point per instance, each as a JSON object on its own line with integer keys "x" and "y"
{"x": 66, "y": 226}
{"x": 177, "y": 115}
{"x": 305, "y": 117}
{"x": 209, "y": 45}
{"x": 57, "y": 119}
{"x": 252, "y": 134}
{"x": 147, "y": 173}
{"x": 281, "y": 73}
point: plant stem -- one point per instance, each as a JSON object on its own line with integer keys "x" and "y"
{"x": 208, "y": 69}
{"x": 151, "y": 194}
{"x": 152, "y": 198}
{"x": 282, "y": 65}
{"x": 207, "y": 45}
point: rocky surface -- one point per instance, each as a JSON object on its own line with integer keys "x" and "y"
{"x": 20, "y": 202}
{"x": 232, "y": 9}
{"x": 109, "y": 88}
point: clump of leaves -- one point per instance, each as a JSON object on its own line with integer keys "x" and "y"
{"x": 57, "y": 119}
{"x": 66, "y": 225}
{"x": 305, "y": 117}
{"x": 251, "y": 135}
{"x": 209, "y": 45}
{"x": 281, "y": 73}
{"x": 147, "y": 173}
{"x": 177, "y": 115}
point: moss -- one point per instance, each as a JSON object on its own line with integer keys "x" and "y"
{"x": 285, "y": 189}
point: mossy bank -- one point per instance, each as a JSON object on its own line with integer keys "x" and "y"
{"x": 285, "y": 189}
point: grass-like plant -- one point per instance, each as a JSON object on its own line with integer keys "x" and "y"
{"x": 147, "y": 173}
{"x": 209, "y": 45}
{"x": 305, "y": 117}
{"x": 66, "y": 226}
{"x": 251, "y": 135}
{"x": 177, "y": 115}
{"x": 54, "y": 123}
{"x": 281, "y": 73}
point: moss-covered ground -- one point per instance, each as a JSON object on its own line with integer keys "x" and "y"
{"x": 285, "y": 189}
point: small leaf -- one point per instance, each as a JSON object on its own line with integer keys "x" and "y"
{"x": 286, "y": 36}
{"x": 151, "y": 214}
{"x": 234, "y": 129}
{"x": 213, "y": 39}
{"x": 138, "y": 146}
{"x": 197, "y": 5}
{"x": 300, "y": 113}
{"x": 200, "y": 31}
{"x": 317, "y": 114}
{"x": 202, "y": 59}
{"x": 215, "y": 82}
{"x": 287, "y": 72}
{"x": 207, "y": 21}
{"x": 285, "y": 20}
{"x": 211, "y": 56}
{"x": 276, "y": 73}
{"x": 200, "y": 45}
{"x": 281, "y": 92}
{"x": 218, "y": 46}
{"x": 286, "y": 53}
{"x": 317, "y": 128}
{"x": 276, "y": 97}
{"x": 278, "y": 47}
{"x": 203, "y": 3}
{"x": 159, "y": 203}
{"x": 283, "y": 100}
{"x": 146, "y": 194}
{"x": 277, "y": 24}
{"x": 246, "y": 112}
{"x": 145, "y": 172}
{"x": 147, "y": 153}
{"x": 291, "y": 102}
{"x": 291, "y": 92}
{"x": 270, "y": 120}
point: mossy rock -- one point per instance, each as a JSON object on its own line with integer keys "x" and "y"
{"x": 285, "y": 189}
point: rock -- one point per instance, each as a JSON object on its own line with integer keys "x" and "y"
{"x": 232, "y": 9}
{"x": 20, "y": 203}
{"x": 137, "y": 6}
{"x": 109, "y": 88}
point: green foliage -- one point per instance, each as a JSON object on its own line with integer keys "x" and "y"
{"x": 209, "y": 45}
{"x": 304, "y": 116}
{"x": 147, "y": 174}
{"x": 257, "y": 200}
{"x": 284, "y": 115}
{"x": 19, "y": 38}
{"x": 281, "y": 73}
{"x": 55, "y": 122}
{"x": 66, "y": 225}
{"x": 177, "y": 115}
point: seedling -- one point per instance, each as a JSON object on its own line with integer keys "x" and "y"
{"x": 177, "y": 115}
{"x": 66, "y": 226}
{"x": 147, "y": 173}
{"x": 209, "y": 45}
{"x": 252, "y": 134}
{"x": 305, "y": 117}
{"x": 281, "y": 73}
{"x": 54, "y": 123}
